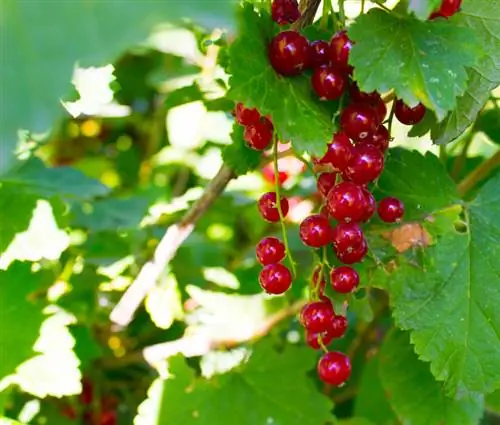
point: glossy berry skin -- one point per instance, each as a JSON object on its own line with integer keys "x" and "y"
{"x": 315, "y": 231}
{"x": 338, "y": 327}
{"x": 380, "y": 139}
{"x": 344, "y": 279}
{"x": 270, "y": 251}
{"x": 318, "y": 54}
{"x": 370, "y": 205}
{"x": 325, "y": 182}
{"x": 340, "y": 47}
{"x": 346, "y": 202}
{"x": 259, "y": 135}
{"x": 334, "y": 368}
{"x": 246, "y": 116}
{"x": 268, "y": 209}
{"x": 407, "y": 115}
{"x": 317, "y": 316}
{"x": 447, "y": 9}
{"x": 288, "y": 53}
{"x": 391, "y": 210}
{"x": 339, "y": 152}
{"x": 366, "y": 166}
{"x": 359, "y": 120}
{"x": 275, "y": 279}
{"x": 353, "y": 256}
{"x": 347, "y": 236}
{"x": 328, "y": 82}
{"x": 285, "y": 11}
{"x": 313, "y": 342}
{"x": 380, "y": 108}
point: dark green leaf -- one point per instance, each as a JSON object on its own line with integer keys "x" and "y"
{"x": 493, "y": 402}
{"x": 86, "y": 347}
{"x": 489, "y": 123}
{"x": 238, "y": 156}
{"x": 423, "y": 8}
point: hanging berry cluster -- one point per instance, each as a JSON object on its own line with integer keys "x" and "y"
{"x": 354, "y": 159}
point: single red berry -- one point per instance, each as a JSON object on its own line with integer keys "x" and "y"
{"x": 288, "y": 53}
{"x": 366, "y": 166}
{"x": 259, "y": 135}
{"x": 268, "y": 207}
{"x": 315, "y": 231}
{"x": 391, "y": 210}
{"x": 407, "y": 115}
{"x": 353, "y": 256}
{"x": 268, "y": 174}
{"x": 346, "y": 202}
{"x": 285, "y": 11}
{"x": 108, "y": 418}
{"x": 359, "y": 120}
{"x": 334, "y": 368}
{"x": 448, "y": 8}
{"x": 379, "y": 139}
{"x": 312, "y": 339}
{"x": 317, "y": 316}
{"x": 275, "y": 279}
{"x": 87, "y": 395}
{"x": 344, "y": 279}
{"x": 370, "y": 205}
{"x": 270, "y": 251}
{"x": 325, "y": 182}
{"x": 340, "y": 47}
{"x": 380, "y": 108}
{"x": 328, "y": 82}
{"x": 347, "y": 236}
{"x": 246, "y": 116}
{"x": 318, "y": 54}
{"x": 338, "y": 327}
{"x": 339, "y": 152}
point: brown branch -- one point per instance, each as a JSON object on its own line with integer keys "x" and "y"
{"x": 308, "y": 9}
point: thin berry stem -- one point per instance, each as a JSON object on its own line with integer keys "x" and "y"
{"x": 342, "y": 13}
{"x": 391, "y": 118}
{"x": 321, "y": 344}
{"x": 278, "y": 206}
{"x": 362, "y": 6}
{"x": 327, "y": 5}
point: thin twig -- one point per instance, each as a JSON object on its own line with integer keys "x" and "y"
{"x": 308, "y": 9}
{"x": 478, "y": 174}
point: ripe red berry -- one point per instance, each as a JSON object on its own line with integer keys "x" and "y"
{"x": 268, "y": 207}
{"x": 407, "y": 115}
{"x": 370, "y": 205}
{"x": 317, "y": 316}
{"x": 448, "y": 8}
{"x": 380, "y": 108}
{"x": 344, "y": 279}
{"x": 312, "y": 339}
{"x": 334, "y": 368}
{"x": 268, "y": 174}
{"x": 391, "y": 210}
{"x": 318, "y": 54}
{"x": 346, "y": 202}
{"x": 285, "y": 11}
{"x": 315, "y": 231}
{"x": 379, "y": 139}
{"x": 275, "y": 279}
{"x": 347, "y": 236}
{"x": 338, "y": 327}
{"x": 366, "y": 166}
{"x": 288, "y": 53}
{"x": 270, "y": 251}
{"x": 359, "y": 96}
{"x": 353, "y": 256}
{"x": 359, "y": 120}
{"x": 339, "y": 152}
{"x": 340, "y": 47}
{"x": 246, "y": 116}
{"x": 325, "y": 182}
{"x": 328, "y": 82}
{"x": 259, "y": 135}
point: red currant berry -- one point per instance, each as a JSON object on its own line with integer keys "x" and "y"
{"x": 340, "y": 47}
{"x": 379, "y": 139}
{"x": 346, "y": 202}
{"x": 370, "y": 205}
{"x": 246, "y": 116}
{"x": 362, "y": 97}
{"x": 325, "y": 182}
{"x": 339, "y": 152}
{"x": 288, "y": 53}
{"x": 344, "y": 279}
{"x": 347, "y": 236}
{"x": 268, "y": 207}
{"x": 334, "y": 368}
{"x": 391, "y": 210}
{"x": 275, "y": 279}
{"x": 338, "y": 327}
{"x": 353, "y": 256}
{"x": 318, "y": 54}
{"x": 448, "y": 8}
{"x": 407, "y": 115}
{"x": 315, "y": 231}
{"x": 270, "y": 251}
{"x": 380, "y": 108}
{"x": 312, "y": 339}
{"x": 328, "y": 82}
{"x": 317, "y": 316}
{"x": 366, "y": 166}
{"x": 285, "y": 11}
{"x": 260, "y": 135}
{"x": 359, "y": 120}
{"x": 268, "y": 174}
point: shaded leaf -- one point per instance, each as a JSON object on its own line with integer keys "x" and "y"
{"x": 238, "y": 155}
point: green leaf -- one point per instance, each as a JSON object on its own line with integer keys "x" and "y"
{"x": 356, "y": 421}
{"x": 21, "y": 317}
{"x": 420, "y": 181}
{"x": 296, "y": 114}
{"x": 427, "y": 63}
{"x": 493, "y": 402}
{"x": 423, "y": 8}
{"x": 414, "y": 394}
{"x": 489, "y": 123}
{"x": 238, "y": 156}
{"x": 40, "y": 67}
{"x": 183, "y": 95}
{"x": 482, "y": 17}
{"x": 86, "y": 347}
{"x": 450, "y": 302}
{"x": 271, "y": 388}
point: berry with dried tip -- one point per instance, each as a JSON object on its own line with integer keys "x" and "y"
{"x": 334, "y": 368}
{"x": 366, "y": 166}
{"x": 354, "y": 256}
{"x": 344, "y": 279}
{"x": 259, "y": 136}
{"x": 359, "y": 121}
{"x": 407, "y": 115}
{"x": 391, "y": 210}
{"x": 275, "y": 279}
{"x": 379, "y": 139}
{"x": 315, "y": 231}
{"x": 325, "y": 182}
{"x": 346, "y": 202}
{"x": 270, "y": 251}
{"x": 347, "y": 236}
{"x": 285, "y": 11}
{"x": 246, "y": 116}
{"x": 268, "y": 207}
{"x": 339, "y": 152}
{"x": 328, "y": 82}
{"x": 288, "y": 53}
{"x": 340, "y": 47}
{"x": 318, "y": 54}
{"x": 317, "y": 316}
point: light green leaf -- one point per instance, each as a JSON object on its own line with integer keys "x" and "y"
{"x": 422, "y": 61}
{"x": 423, "y": 8}
{"x": 414, "y": 394}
